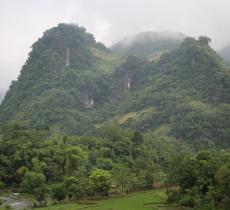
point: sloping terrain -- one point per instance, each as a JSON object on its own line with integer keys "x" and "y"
{"x": 65, "y": 75}
{"x": 72, "y": 84}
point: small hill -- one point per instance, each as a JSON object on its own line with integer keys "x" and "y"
{"x": 148, "y": 43}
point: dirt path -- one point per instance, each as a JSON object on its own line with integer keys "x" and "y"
{"x": 16, "y": 202}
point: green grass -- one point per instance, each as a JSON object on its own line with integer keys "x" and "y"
{"x": 107, "y": 61}
{"x": 156, "y": 56}
{"x": 145, "y": 200}
{"x": 127, "y": 116}
{"x": 136, "y": 115}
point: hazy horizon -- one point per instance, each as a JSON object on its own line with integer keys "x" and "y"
{"x": 23, "y": 22}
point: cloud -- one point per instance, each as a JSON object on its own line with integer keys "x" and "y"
{"x": 23, "y": 22}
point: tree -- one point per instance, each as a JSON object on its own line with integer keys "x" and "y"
{"x": 223, "y": 184}
{"x": 100, "y": 182}
{"x": 58, "y": 192}
{"x": 145, "y": 171}
{"x": 105, "y": 163}
{"x": 137, "y": 138}
{"x": 74, "y": 187}
{"x": 203, "y": 180}
{"x": 32, "y": 181}
{"x": 2, "y": 185}
{"x": 75, "y": 157}
{"x": 40, "y": 196}
{"x": 122, "y": 177}
{"x": 38, "y": 166}
{"x": 204, "y": 40}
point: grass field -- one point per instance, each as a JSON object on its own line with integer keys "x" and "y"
{"x": 146, "y": 200}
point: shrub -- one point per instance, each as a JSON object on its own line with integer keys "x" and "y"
{"x": 100, "y": 182}
{"x": 32, "y": 181}
{"x": 173, "y": 195}
{"x": 74, "y": 188}
{"x": 2, "y": 185}
{"x": 188, "y": 201}
{"x": 40, "y": 196}
{"x": 58, "y": 192}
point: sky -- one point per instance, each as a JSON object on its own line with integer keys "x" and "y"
{"x": 22, "y": 22}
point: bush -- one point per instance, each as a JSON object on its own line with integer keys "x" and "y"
{"x": 173, "y": 195}
{"x": 6, "y": 207}
{"x": 226, "y": 202}
{"x": 40, "y": 196}
{"x": 100, "y": 182}
{"x": 188, "y": 201}
{"x": 74, "y": 188}
{"x": 2, "y": 185}
{"x": 58, "y": 192}
{"x": 32, "y": 181}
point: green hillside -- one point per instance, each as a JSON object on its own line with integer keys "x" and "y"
{"x": 84, "y": 122}
{"x": 187, "y": 90}
{"x": 66, "y": 73}
{"x": 74, "y": 85}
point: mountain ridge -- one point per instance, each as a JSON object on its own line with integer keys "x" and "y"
{"x": 148, "y": 43}
{"x": 79, "y": 90}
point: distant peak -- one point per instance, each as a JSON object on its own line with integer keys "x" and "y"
{"x": 149, "y": 42}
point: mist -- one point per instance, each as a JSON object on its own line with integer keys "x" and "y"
{"x": 23, "y": 22}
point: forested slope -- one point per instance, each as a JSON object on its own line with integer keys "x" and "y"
{"x": 74, "y": 85}
{"x": 83, "y": 121}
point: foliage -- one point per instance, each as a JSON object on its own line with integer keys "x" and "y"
{"x": 187, "y": 89}
{"x": 58, "y": 192}
{"x": 100, "y": 181}
{"x": 74, "y": 187}
{"x": 72, "y": 162}
{"x": 40, "y": 195}
{"x": 203, "y": 180}
{"x": 86, "y": 121}
{"x": 75, "y": 157}
{"x": 32, "y": 182}
{"x": 122, "y": 178}
{"x": 1, "y": 185}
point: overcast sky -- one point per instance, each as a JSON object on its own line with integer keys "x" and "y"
{"x": 22, "y": 22}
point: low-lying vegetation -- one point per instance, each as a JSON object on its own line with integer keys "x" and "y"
{"x": 112, "y": 162}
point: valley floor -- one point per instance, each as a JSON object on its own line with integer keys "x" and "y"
{"x": 145, "y": 200}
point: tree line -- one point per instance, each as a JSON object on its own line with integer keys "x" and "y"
{"x": 112, "y": 160}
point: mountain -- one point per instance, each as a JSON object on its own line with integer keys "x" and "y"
{"x": 148, "y": 44}
{"x": 65, "y": 74}
{"x": 184, "y": 95}
{"x": 225, "y": 53}
{"x": 71, "y": 83}
{"x": 1, "y": 96}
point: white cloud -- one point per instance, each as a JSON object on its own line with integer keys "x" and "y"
{"x": 23, "y": 22}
